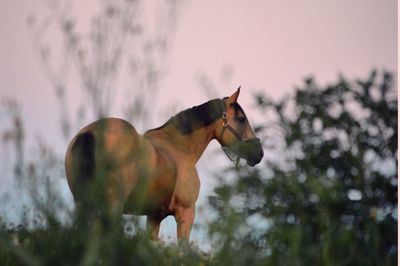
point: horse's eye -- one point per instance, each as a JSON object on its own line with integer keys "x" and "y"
{"x": 242, "y": 119}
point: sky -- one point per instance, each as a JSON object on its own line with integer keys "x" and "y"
{"x": 262, "y": 46}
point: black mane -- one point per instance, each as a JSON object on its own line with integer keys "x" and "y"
{"x": 197, "y": 117}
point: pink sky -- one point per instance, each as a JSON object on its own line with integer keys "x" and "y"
{"x": 267, "y": 45}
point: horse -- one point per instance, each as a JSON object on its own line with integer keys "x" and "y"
{"x": 155, "y": 174}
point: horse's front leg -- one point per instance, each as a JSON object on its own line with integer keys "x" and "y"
{"x": 184, "y": 219}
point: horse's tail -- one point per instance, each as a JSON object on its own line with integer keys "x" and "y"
{"x": 84, "y": 182}
{"x": 83, "y": 157}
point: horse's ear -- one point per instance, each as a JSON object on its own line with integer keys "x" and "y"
{"x": 233, "y": 98}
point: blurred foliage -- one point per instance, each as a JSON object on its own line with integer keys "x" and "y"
{"x": 126, "y": 42}
{"x": 100, "y": 241}
{"x": 327, "y": 193}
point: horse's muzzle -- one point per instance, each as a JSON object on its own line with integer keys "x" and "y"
{"x": 250, "y": 150}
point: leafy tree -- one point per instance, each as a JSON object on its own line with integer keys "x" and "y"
{"x": 327, "y": 193}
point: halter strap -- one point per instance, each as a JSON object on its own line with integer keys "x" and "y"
{"x": 226, "y": 125}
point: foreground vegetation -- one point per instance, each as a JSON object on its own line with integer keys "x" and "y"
{"x": 325, "y": 195}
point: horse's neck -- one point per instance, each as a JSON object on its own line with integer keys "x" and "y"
{"x": 192, "y": 145}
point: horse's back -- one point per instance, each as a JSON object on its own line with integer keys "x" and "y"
{"x": 105, "y": 148}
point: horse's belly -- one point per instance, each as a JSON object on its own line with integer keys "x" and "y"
{"x": 154, "y": 188}
{"x": 149, "y": 199}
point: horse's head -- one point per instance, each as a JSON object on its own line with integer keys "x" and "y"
{"x": 235, "y": 134}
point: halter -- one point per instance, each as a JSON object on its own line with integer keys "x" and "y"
{"x": 226, "y": 125}
{"x": 232, "y": 153}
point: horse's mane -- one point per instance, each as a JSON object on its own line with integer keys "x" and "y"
{"x": 196, "y": 117}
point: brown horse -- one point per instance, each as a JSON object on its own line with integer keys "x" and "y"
{"x": 155, "y": 174}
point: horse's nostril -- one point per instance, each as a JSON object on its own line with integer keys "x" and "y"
{"x": 261, "y": 154}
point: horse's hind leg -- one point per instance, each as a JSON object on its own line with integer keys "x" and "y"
{"x": 153, "y": 227}
{"x": 115, "y": 204}
{"x": 120, "y": 183}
